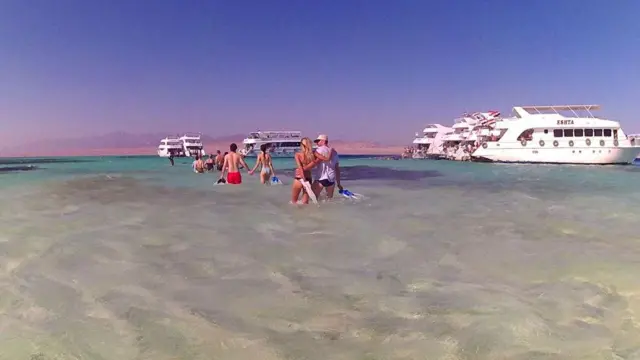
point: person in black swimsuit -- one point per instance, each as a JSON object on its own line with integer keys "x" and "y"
{"x": 209, "y": 163}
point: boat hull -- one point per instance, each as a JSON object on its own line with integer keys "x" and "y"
{"x": 163, "y": 153}
{"x": 584, "y": 155}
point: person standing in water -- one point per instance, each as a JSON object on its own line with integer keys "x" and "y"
{"x": 198, "y": 165}
{"x": 327, "y": 173}
{"x": 305, "y": 161}
{"x": 265, "y": 160}
{"x": 209, "y": 163}
{"x": 232, "y": 162}
{"x": 171, "y": 158}
{"x": 219, "y": 160}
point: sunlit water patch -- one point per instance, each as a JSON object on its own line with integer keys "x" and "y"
{"x": 134, "y": 259}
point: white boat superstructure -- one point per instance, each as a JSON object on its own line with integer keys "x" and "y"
{"x": 170, "y": 146}
{"x": 541, "y": 134}
{"x": 281, "y": 143}
{"x": 460, "y": 144}
{"x": 192, "y": 144}
{"x": 430, "y": 143}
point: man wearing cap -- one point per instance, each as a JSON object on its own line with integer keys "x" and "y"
{"x": 327, "y": 172}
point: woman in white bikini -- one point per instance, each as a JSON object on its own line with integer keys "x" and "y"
{"x": 264, "y": 159}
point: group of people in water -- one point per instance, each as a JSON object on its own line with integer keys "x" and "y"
{"x": 315, "y": 169}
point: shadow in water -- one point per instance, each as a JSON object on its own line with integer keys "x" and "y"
{"x": 8, "y": 169}
{"x": 15, "y": 161}
{"x": 363, "y": 172}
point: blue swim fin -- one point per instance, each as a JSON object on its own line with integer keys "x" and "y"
{"x": 348, "y": 194}
{"x": 276, "y": 181}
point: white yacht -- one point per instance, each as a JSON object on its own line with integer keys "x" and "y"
{"x": 430, "y": 143}
{"x": 454, "y": 143}
{"x": 192, "y": 144}
{"x": 459, "y": 144}
{"x": 541, "y": 134}
{"x": 170, "y": 146}
{"x": 281, "y": 143}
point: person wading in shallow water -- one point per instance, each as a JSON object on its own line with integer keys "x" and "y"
{"x": 198, "y": 165}
{"x": 264, "y": 159}
{"x": 232, "y": 162}
{"x": 219, "y": 160}
{"x": 210, "y": 162}
{"x": 327, "y": 172}
{"x": 305, "y": 161}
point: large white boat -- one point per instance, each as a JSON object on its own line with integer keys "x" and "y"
{"x": 536, "y": 136}
{"x": 181, "y": 146}
{"x": 430, "y": 143}
{"x": 170, "y": 146}
{"x": 281, "y": 143}
{"x": 192, "y": 144}
{"x": 458, "y": 145}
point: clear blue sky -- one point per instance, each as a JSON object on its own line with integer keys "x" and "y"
{"x": 356, "y": 69}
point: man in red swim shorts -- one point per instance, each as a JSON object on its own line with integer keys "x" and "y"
{"x": 232, "y": 162}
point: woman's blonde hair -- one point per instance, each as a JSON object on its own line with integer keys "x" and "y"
{"x": 307, "y": 149}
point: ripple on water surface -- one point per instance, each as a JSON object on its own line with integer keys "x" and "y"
{"x": 439, "y": 261}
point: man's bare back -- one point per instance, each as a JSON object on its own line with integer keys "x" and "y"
{"x": 233, "y": 162}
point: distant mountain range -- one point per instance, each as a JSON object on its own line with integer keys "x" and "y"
{"x": 114, "y": 140}
{"x": 127, "y": 143}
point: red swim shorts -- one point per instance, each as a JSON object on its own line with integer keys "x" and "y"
{"x": 234, "y": 178}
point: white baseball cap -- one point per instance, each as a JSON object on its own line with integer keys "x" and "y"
{"x": 321, "y": 137}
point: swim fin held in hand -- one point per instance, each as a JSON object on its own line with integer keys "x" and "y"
{"x": 348, "y": 194}
{"x": 275, "y": 181}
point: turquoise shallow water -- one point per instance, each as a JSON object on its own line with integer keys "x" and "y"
{"x": 129, "y": 258}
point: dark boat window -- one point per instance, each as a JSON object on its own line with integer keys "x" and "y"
{"x": 597, "y": 132}
{"x": 578, "y": 132}
{"x": 588, "y": 132}
{"x": 557, "y": 132}
{"x": 568, "y": 132}
{"x": 607, "y": 132}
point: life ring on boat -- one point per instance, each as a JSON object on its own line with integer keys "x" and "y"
{"x": 588, "y": 141}
{"x": 484, "y": 145}
{"x": 615, "y": 142}
{"x": 601, "y": 142}
{"x": 555, "y": 143}
{"x": 541, "y": 142}
{"x": 571, "y": 143}
{"x": 523, "y": 142}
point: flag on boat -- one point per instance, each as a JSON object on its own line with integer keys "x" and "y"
{"x": 489, "y": 122}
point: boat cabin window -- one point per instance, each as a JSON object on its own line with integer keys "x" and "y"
{"x": 526, "y": 135}
{"x": 607, "y": 132}
{"x": 597, "y": 132}
{"x": 615, "y": 133}
{"x": 578, "y": 132}
{"x": 557, "y": 132}
{"x": 546, "y": 131}
{"x": 588, "y": 132}
{"x": 568, "y": 132}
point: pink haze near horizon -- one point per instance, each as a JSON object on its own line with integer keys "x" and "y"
{"x": 359, "y": 71}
